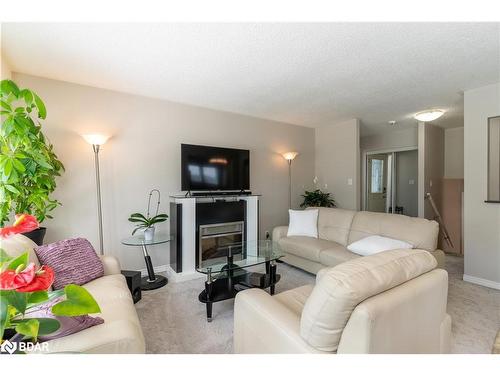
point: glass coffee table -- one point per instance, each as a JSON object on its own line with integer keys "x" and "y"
{"x": 226, "y": 276}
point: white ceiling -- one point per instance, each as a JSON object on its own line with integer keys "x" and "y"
{"x": 301, "y": 73}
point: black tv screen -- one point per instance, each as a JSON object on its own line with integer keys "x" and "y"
{"x": 207, "y": 168}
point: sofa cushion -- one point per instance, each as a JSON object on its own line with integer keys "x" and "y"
{"x": 340, "y": 289}
{"x": 295, "y": 299}
{"x": 304, "y": 247}
{"x": 335, "y": 255}
{"x": 18, "y": 244}
{"x": 114, "y": 298}
{"x": 74, "y": 261}
{"x": 334, "y": 224}
{"x": 303, "y": 223}
{"x": 376, "y": 244}
{"x": 421, "y": 233}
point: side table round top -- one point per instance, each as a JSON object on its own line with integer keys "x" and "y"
{"x": 159, "y": 238}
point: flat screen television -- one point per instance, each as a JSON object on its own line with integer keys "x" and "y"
{"x": 205, "y": 168}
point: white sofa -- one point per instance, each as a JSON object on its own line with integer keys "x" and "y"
{"x": 337, "y": 228}
{"x": 121, "y": 332}
{"x": 391, "y": 302}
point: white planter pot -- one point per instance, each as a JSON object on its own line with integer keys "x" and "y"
{"x": 149, "y": 234}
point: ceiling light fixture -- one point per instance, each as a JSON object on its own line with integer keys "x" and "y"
{"x": 392, "y": 123}
{"x": 429, "y": 115}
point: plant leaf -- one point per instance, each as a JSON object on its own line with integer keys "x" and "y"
{"x": 46, "y": 325}
{"x": 42, "y": 111}
{"x": 4, "y": 316}
{"x": 78, "y": 302}
{"x": 28, "y": 328}
{"x": 16, "y": 299}
{"x": 7, "y": 86}
{"x": 38, "y": 297}
{"x": 16, "y": 262}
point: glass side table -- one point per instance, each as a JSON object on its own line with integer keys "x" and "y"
{"x": 152, "y": 281}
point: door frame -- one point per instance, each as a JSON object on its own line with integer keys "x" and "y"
{"x": 364, "y": 169}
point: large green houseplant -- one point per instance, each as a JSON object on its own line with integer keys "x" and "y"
{"x": 28, "y": 164}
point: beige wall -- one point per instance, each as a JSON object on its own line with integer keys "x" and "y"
{"x": 431, "y": 166}
{"x": 407, "y": 181}
{"x": 5, "y": 71}
{"x": 395, "y": 139}
{"x": 481, "y": 220}
{"x": 337, "y": 162}
{"x": 494, "y": 159}
{"x": 454, "y": 153}
{"x": 144, "y": 153}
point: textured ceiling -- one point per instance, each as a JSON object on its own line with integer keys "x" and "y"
{"x": 305, "y": 74}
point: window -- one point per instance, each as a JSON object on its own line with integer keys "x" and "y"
{"x": 377, "y": 175}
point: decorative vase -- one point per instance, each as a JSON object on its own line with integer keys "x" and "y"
{"x": 149, "y": 234}
{"x": 37, "y": 235}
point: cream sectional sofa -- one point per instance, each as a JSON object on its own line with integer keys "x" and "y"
{"x": 337, "y": 228}
{"x": 121, "y": 332}
{"x": 391, "y": 302}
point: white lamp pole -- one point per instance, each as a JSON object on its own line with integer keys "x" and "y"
{"x": 289, "y": 156}
{"x": 97, "y": 140}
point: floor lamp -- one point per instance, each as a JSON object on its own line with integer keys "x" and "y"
{"x": 289, "y": 156}
{"x": 97, "y": 140}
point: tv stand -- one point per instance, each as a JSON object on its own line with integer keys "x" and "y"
{"x": 185, "y": 220}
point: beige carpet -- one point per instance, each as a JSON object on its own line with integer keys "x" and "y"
{"x": 175, "y": 322}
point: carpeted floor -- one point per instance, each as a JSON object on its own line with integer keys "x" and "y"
{"x": 174, "y": 321}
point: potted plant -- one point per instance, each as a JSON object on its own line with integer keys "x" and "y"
{"x": 28, "y": 164}
{"x": 317, "y": 198}
{"x": 24, "y": 287}
{"x": 146, "y": 224}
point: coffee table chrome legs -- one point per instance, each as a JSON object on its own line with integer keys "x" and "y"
{"x": 208, "y": 289}
{"x": 151, "y": 281}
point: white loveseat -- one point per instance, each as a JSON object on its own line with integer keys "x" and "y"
{"x": 338, "y": 228}
{"x": 121, "y": 332}
{"x": 391, "y": 302}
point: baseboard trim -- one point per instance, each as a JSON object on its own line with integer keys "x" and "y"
{"x": 482, "y": 282}
{"x": 158, "y": 269}
{"x": 178, "y": 277}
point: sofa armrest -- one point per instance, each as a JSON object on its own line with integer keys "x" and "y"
{"x": 279, "y": 233}
{"x": 264, "y": 325}
{"x": 111, "y": 265}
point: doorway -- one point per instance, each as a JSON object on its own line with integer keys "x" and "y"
{"x": 392, "y": 182}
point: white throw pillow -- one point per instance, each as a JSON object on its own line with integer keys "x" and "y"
{"x": 303, "y": 223}
{"x": 376, "y": 244}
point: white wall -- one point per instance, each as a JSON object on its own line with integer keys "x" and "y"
{"x": 337, "y": 162}
{"x": 5, "y": 71}
{"x": 144, "y": 153}
{"x": 481, "y": 220}
{"x": 454, "y": 153}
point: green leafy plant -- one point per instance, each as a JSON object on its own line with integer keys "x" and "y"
{"x": 317, "y": 198}
{"x": 28, "y": 164}
{"x": 144, "y": 222}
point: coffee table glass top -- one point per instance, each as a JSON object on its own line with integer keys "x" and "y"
{"x": 138, "y": 240}
{"x": 245, "y": 254}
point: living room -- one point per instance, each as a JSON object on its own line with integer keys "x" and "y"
{"x": 241, "y": 188}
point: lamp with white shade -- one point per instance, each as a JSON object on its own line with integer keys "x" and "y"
{"x": 97, "y": 140}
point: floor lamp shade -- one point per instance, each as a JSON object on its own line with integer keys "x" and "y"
{"x": 97, "y": 140}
